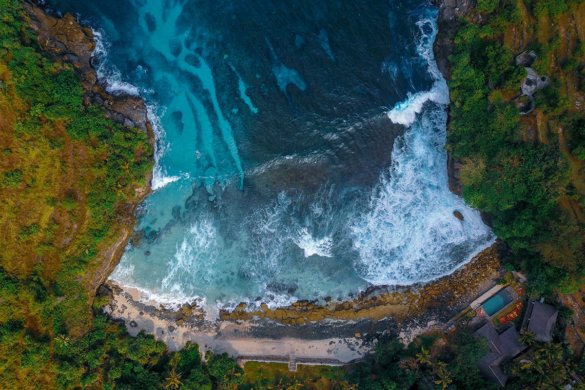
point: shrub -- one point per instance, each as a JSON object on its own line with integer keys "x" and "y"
{"x": 12, "y": 178}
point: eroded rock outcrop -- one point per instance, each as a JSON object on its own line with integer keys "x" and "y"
{"x": 70, "y": 43}
{"x": 440, "y": 299}
{"x": 449, "y": 13}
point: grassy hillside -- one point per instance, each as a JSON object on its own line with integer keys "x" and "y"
{"x": 526, "y": 172}
{"x": 69, "y": 181}
{"x": 70, "y": 178}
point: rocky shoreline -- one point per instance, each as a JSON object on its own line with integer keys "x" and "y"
{"x": 68, "y": 42}
{"x": 449, "y": 13}
{"x": 352, "y": 326}
{"x": 404, "y": 311}
{"x": 72, "y": 45}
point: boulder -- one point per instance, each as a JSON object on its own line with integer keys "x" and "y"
{"x": 71, "y": 43}
{"x": 458, "y": 215}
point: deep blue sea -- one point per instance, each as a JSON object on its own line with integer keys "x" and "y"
{"x": 300, "y": 146}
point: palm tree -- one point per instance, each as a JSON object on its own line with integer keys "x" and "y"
{"x": 443, "y": 375}
{"x": 424, "y": 357}
{"x": 548, "y": 362}
{"x": 173, "y": 381}
{"x": 527, "y": 338}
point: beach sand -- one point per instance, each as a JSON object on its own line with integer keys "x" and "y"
{"x": 334, "y": 333}
{"x": 232, "y": 337}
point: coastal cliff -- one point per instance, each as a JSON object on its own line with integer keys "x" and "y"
{"x": 70, "y": 43}
{"x": 448, "y": 21}
{"x": 450, "y": 12}
{"x": 515, "y": 134}
{"x": 71, "y": 174}
{"x": 76, "y": 163}
{"x": 76, "y": 167}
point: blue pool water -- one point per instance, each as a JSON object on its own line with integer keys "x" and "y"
{"x": 300, "y": 146}
{"x": 497, "y": 302}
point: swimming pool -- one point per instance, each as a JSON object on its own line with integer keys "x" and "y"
{"x": 497, "y": 302}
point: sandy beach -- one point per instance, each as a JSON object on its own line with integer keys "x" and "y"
{"x": 233, "y": 337}
{"x": 335, "y": 333}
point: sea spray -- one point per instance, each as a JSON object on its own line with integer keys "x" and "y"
{"x": 330, "y": 205}
{"x": 314, "y": 246}
{"x": 409, "y": 233}
{"x": 112, "y": 78}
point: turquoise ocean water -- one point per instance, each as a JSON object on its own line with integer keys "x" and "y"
{"x": 300, "y": 146}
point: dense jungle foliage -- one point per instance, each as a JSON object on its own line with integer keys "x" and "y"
{"x": 68, "y": 177}
{"x": 526, "y": 172}
{"x": 432, "y": 361}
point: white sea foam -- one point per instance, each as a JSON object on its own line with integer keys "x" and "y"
{"x": 272, "y": 301}
{"x": 310, "y": 159}
{"x": 191, "y": 267}
{"x": 124, "y": 276}
{"x": 107, "y": 73}
{"x": 173, "y": 300}
{"x": 100, "y": 52}
{"x": 160, "y": 178}
{"x": 123, "y": 271}
{"x": 405, "y": 112}
{"x": 112, "y": 78}
{"x": 159, "y": 181}
{"x": 409, "y": 233}
{"x": 116, "y": 86}
{"x": 269, "y": 233}
{"x": 175, "y": 297}
{"x": 314, "y": 246}
{"x": 194, "y": 261}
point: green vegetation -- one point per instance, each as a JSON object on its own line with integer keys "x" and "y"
{"x": 545, "y": 366}
{"x": 54, "y": 219}
{"x": 277, "y": 376}
{"x": 429, "y": 362}
{"x": 525, "y": 172}
{"x": 56, "y": 226}
{"x": 107, "y": 357}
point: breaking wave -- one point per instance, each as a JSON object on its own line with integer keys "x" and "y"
{"x": 410, "y": 233}
{"x": 299, "y": 245}
{"x": 314, "y": 246}
{"x": 109, "y": 75}
{"x": 113, "y": 81}
{"x": 405, "y": 112}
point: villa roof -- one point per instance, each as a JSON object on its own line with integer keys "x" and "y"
{"x": 541, "y": 319}
{"x": 493, "y": 339}
{"x": 489, "y": 366}
{"x": 511, "y": 342}
{"x": 502, "y": 347}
